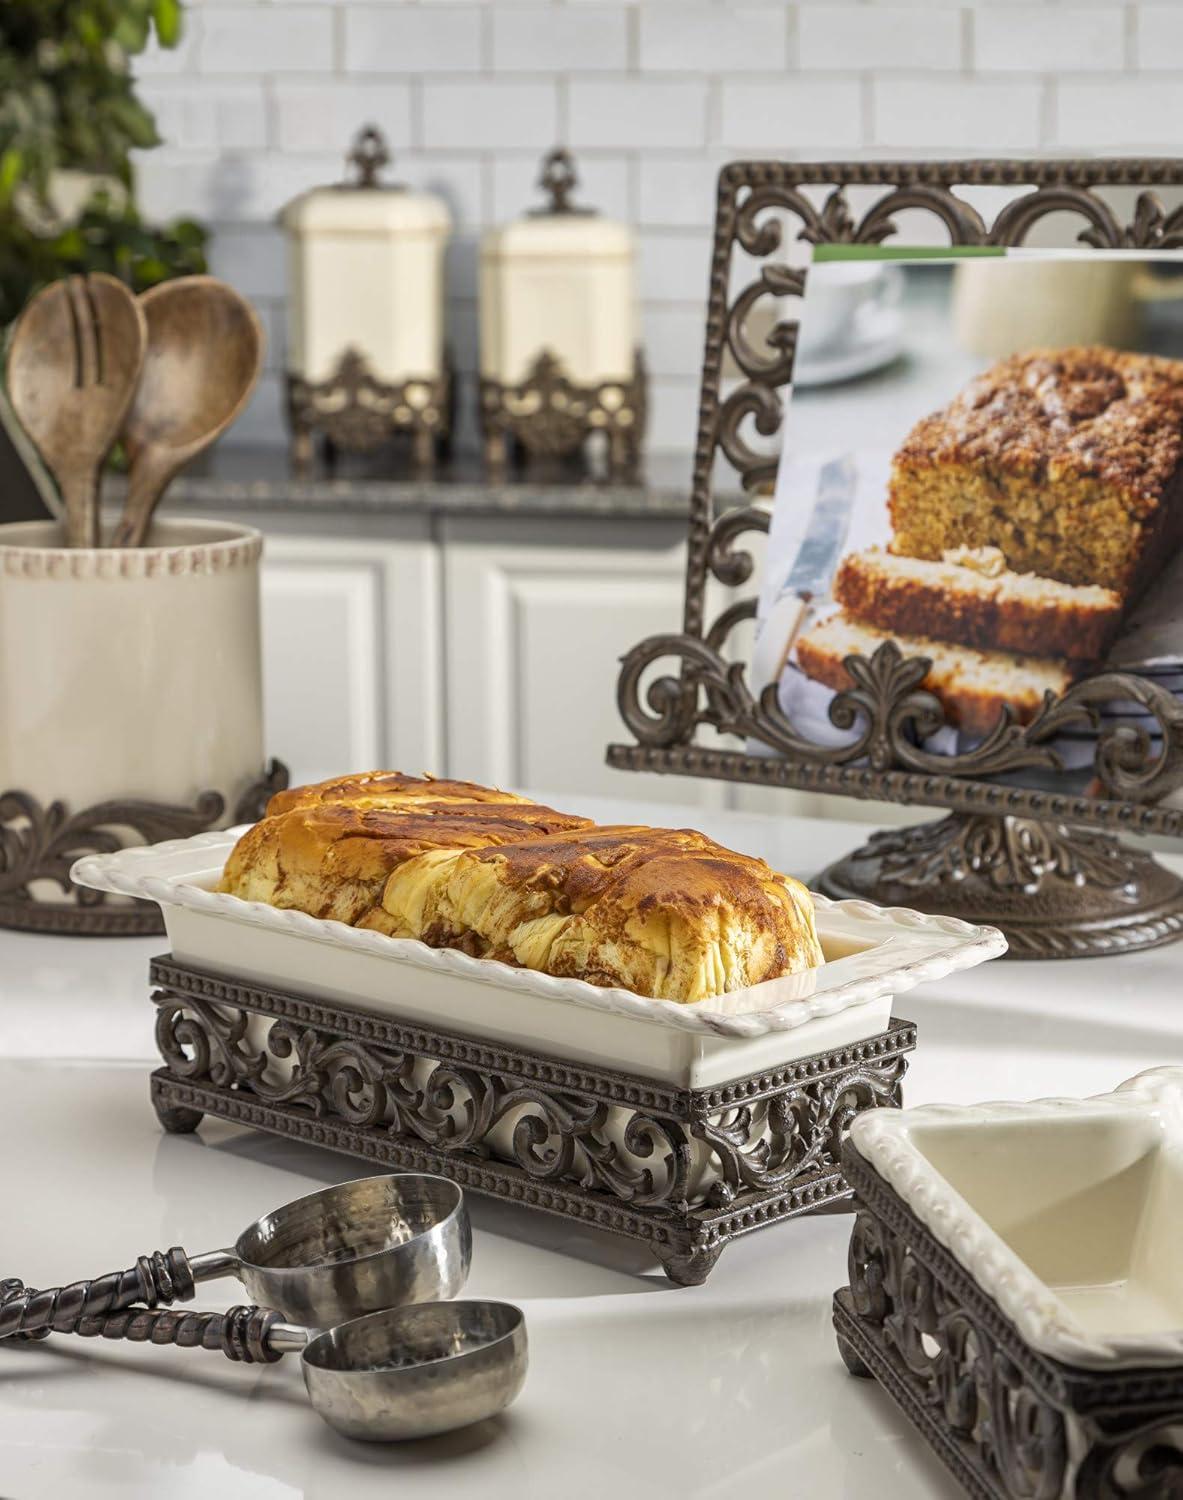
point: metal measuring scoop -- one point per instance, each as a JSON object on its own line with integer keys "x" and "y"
{"x": 377, "y": 1242}
{"x": 407, "y": 1372}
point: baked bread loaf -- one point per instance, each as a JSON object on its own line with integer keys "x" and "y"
{"x": 332, "y": 860}
{"x": 978, "y": 602}
{"x": 1068, "y": 460}
{"x": 971, "y": 685}
{"x": 661, "y": 912}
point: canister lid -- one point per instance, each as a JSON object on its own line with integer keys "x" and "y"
{"x": 561, "y": 228}
{"x": 362, "y": 204}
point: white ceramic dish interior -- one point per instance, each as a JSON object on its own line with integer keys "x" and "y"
{"x": 872, "y": 954}
{"x": 1068, "y": 1212}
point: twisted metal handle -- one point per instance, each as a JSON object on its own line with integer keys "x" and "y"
{"x": 241, "y": 1333}
{"x": 164, "y": 1276}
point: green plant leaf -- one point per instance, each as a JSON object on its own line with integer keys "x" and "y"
{"x": 167, "y": 16}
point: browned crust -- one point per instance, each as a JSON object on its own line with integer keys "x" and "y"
{"x": 972, "y": 617}
{"x": 1047, "y": 413}
{"x": 973, "y": 711}
{"x": 386, "y": 789}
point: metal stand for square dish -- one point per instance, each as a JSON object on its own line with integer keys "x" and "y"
{"x": 1008, "y": 1422}
{"x": 609, "y": 1149}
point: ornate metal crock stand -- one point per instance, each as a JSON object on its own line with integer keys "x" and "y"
{"x": 355, "y": 412}
{"x": 550, "y": 417}
{"x": 683, "y": 1171}
{"x": 1008, "y": 1422}
{"x": 1039, "y": 862}
{"x": 39, "y": 844}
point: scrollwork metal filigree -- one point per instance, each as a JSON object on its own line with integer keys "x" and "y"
{"x": 1010, "y": 1423}
{"x": 691, "y": 1167}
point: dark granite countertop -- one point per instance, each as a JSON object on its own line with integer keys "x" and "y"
{"x": 261, "y": 479}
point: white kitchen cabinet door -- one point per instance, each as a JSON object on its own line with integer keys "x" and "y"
{"x": 538, "y": 614}
{"x": 352, "y": 654}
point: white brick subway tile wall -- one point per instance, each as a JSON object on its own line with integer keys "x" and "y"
{"x": 260, "y": 101}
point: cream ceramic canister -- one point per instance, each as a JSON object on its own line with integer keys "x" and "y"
{"x": 558, "y": 282}
{"x": 130, "y": 673}
{"x": 366, "y": 274}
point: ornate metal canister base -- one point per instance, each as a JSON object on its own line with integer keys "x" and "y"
{"x": 39, "y": 844}
{"x": 1008, "y": 1422}
{"x": 683, "y": 1171}
{"x": 550, "y": 417}
{"x": 355, "y": 412}
{"x": 1056, "y": 892}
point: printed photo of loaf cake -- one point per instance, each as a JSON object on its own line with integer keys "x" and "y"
{"x": 972, "y": 685}
{"x": 665, "y": 913}
{"x": 973, "y": 599}
{"x": 1067, "y": 460}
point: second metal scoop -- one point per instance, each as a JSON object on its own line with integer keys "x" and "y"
{"x": 409, "y": 1372}
{"x": 377, "y": 1242}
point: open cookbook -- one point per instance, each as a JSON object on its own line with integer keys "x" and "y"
{"x": 983, "y": 462}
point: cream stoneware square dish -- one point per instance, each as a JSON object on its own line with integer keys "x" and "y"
{"x": 1068, "y": 1213}
{"x": 872, "y": 954}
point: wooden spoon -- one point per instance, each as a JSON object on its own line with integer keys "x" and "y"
{"x": 205, "y": 349}
{"x": 73, "y": 364}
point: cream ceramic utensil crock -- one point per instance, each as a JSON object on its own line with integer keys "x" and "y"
{"x": 130, "y": 673}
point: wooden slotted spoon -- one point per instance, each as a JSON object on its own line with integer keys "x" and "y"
{"x": 73, "y": 364}
{"x": 205, "y": 349}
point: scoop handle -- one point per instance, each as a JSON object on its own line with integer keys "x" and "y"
{"x": 241, "y": 1333}
{"x": 164, "y": 1276}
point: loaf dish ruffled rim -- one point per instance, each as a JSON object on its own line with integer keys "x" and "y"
{"x": 151, "y": 873}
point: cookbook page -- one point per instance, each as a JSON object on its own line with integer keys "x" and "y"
{"x": 982, "y": 461}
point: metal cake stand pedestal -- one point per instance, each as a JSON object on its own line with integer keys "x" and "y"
{"x": 684, "y": 1171}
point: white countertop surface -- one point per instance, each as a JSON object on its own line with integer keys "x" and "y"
{"x": 636, "y": 1388}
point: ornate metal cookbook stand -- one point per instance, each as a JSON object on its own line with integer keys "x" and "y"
{"x": 683, "y": 1171}
{"x": 39, "y": 844}
{"x": 1008, "y": 1422}
{"x": 1042, "y": 865}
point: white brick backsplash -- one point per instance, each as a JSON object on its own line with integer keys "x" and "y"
{"x": 695, "y": 38}
{"x": 458, "y": 180}
{"x": 490, "y": 115}
{"x": 673, "y": 416}
{"x": 1160, "y": 36}
{"x": 541, "y": 39}
{"x": 794, "y": 115}
{"x": 265, "y": 39}
{"x": 406, "y": 39}
{"x": 674, "y": 265}
{"x": 633, "y": 114}
{"x": 262, "y": 98}
{"x": 605, "y": 184}
{"x": 677, "y": 190}
{"x": 327, "y": 116}
{"x": 250, "y": 257}
{"x": 674, "y": 338}
{"x": 887, "y": 36}
{"x": 1119, "y": 114}
{"x": 965, "y": 115}
{"x": 1009, "y": 39}
{"x": 198, "y": 116}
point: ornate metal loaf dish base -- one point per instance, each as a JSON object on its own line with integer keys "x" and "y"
{"x": 681, "y": 1170}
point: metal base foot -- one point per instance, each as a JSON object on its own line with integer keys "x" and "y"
{"x": 175, "y": 1119}
{"x": 1056, "y": 892}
